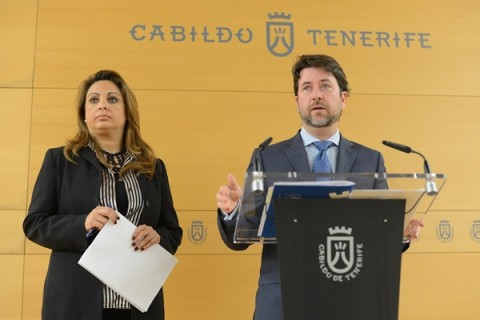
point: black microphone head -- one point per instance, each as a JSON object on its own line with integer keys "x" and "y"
{"x": 257, "y": 166}
{"x": 265, "y": 143}
{"x": 397, "y": 146}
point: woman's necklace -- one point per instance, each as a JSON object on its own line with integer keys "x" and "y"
{"x": 115, "y": 160}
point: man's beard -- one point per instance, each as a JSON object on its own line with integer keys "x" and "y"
{"x": 320, "y": 123}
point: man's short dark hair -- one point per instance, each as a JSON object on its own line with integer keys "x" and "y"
{"x": 321, "y": 61}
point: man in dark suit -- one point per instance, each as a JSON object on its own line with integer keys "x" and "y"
{"x": 321, "y": 90}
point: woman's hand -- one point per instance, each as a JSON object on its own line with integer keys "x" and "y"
{"x": 99, "y": 216}
{"x": 144, "y": 237}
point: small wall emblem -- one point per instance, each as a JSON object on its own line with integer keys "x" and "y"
{"x": 197, "y": 233}
{"x": 475, "y": 231}
{"x": 444, "y": 231}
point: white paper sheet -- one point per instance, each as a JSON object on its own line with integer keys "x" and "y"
{"x": 136, "y": 275}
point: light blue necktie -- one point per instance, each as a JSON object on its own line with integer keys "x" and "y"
{"x": 321, "y": 163}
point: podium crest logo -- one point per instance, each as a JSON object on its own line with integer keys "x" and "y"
{"x": 444, "y": 231}
{"x": 280, "y": 39}
{"x": 197, "y": 233}
{"x": 341, "y": 259}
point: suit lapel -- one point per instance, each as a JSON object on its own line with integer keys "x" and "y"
{"x": 346, "y": 156}
{"x": 296, "y": 154}
{"x": 90, "y": 156}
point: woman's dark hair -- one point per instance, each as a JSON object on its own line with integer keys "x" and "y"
{"x": 144, "y": 158}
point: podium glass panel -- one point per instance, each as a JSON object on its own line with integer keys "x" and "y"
{"x": 418, "y": 189}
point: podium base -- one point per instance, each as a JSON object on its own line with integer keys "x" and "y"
{"x": 339, "y": 259}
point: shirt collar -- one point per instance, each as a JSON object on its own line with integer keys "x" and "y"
{"x": 309, "y": 139}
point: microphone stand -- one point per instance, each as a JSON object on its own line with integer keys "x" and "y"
{"x": 430, "y": 184}
{"x": 258, "y": 184}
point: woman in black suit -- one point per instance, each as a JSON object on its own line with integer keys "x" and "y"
{"x": 105, "y": 170}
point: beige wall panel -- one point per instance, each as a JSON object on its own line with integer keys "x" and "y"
{"x": 433, "y": 286}
{"x": 193, "y": 290}
{"x": 424, "y": 293}
{"x": 53, "y": 121}
{"x": 444, "y": 129}
{"x": 71, "y": 36}
{"x": 17, "y": 36}
{"x": 12, "y": 239}
{"x": 209, "y": 242}
{"x": 33, "y": 248}
{"x": 15, "y": 106}
{"x": 440, "y": 286}
{"x": 205, "y": 104}
{"x": 201, "y": 235}
{"x": 449, "y": 231}
{"x": 212, "y": 287}
{"x": 34, "y": 277}
{"x": 11, "y": 279}
{"x": 202, "y": 136}
{"x": 233, "y": 123}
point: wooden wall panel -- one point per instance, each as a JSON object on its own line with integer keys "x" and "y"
{"x": 440, "y": 286}
{"x": 200, "y": 145}
{"x": 200, "y": 282}
{"x": 33, "y": 248}
{"x": 205, "y": 104}
{"x": 449, "y": 231}
{"x": 12, "y": 239}
{"x": 201, "y": 136}
{"x": 403, "y": 121}
{"x": 18, "y": 22}
{"x": 14, "y": 146}
{"x": 212, "y": 287}
{"x": 34, "y": 272}
{"x": 11, "y": 280}
{"x": 196, "y": 286}
{"x": 439, "y": 127}
{"x": 208, "y": 242}
{"x": 431, "y": 126}
{"x": 215, "y": 134}
{"x": 71, "y": 36}
{"x": 52, "y": 123}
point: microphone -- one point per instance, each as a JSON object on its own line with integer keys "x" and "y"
{"x": 397, "y": 146}
{"x": 257, "y": 174}
{"x": 430, "y": 186}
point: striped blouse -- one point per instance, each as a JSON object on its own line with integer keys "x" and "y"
{"x": 114, "y": 192}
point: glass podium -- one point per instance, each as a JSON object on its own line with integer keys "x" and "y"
{"x": 418, "y": 189}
